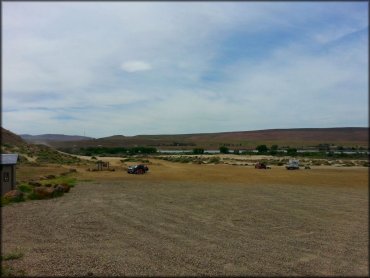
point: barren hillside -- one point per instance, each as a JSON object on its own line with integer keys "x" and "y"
{"x": 305, "y": 137}
{"x": 32, "y": 153}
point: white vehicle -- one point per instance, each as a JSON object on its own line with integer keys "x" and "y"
{"x": 292, "y": 164}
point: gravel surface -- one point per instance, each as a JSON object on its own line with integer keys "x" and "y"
{"x": 174, "y": 228}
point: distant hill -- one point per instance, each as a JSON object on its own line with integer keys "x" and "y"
{"x": 31, "y": 153}
{"x": 46, "y": 138}
{"x": 10, "y": 138}
{"x": 301, "y": 137}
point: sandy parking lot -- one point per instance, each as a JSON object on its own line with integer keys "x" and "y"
{"x": 196, "y": 220}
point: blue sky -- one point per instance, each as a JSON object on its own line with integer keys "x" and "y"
{"x": 189, "y": 67}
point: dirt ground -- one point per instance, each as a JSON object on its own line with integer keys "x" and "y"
{"x": 185, "y": 219}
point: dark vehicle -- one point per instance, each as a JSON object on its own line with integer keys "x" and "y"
{"x": 137, "y": 169}
{"x": 260, "y": 165}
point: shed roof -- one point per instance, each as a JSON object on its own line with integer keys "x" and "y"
{"x": 9, "y": 158}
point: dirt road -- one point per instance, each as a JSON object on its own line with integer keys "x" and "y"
{"x": 209, "y": 224}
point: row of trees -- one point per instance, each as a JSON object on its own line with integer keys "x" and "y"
{"x": 101, "y": 151}
{"x": 222, "y": 149}
{"x": 262, "y": 149}
{"x": 274, "y": 150}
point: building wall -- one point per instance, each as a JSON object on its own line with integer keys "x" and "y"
{"x": 7, "y": 178}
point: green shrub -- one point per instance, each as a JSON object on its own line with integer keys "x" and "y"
{"x": 224, "y": 149}
{"x": 291, "y": 151}
{"x": 33, "y": 196}
{"x": 262, "y": 149}
{"x": 25, "y": 188}
{"x": 198, "y": 151}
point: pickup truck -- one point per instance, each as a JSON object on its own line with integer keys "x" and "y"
{"x": 137, "y": 169}
{"x": 292, "y": 164}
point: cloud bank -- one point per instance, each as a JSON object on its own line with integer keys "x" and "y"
{"x": 155, "y": 68}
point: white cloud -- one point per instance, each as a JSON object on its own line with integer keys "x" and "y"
{"x": 66, "y": 57}
{"x": 133, "y": 66}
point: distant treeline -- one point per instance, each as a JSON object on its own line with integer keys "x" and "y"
{"x": 320, "y": 154}
{"x": 275, "y": 151}
{"x": 107, "y": 151}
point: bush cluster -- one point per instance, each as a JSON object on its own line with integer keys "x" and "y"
{"x": 192, "y": 159}
{"x": 29, "y": 193}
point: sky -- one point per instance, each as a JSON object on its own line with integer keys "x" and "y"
{"x": 107, "y": 68}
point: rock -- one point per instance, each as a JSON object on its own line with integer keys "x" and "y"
{"x": 49, "y": 177}
{"x": 72, "y": 170}
{"x": 14, "y": 196}
{"x": 65, "y": 187}
{"x": 34, "y": 183}
{"x": 59, "y": 188}
{"x": 42, "y": 192}
{"x": 48, "y": 185}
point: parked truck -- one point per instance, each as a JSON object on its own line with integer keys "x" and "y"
{"x": 138, "y": 169}
{"x": 260, "y": 165}
{"x": 293, "y": 164}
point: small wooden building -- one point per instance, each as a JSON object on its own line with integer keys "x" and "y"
{"x": 8, "y": 163}
{"x": 101, "y": 165}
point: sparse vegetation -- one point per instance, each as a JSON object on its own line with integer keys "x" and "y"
{"x": 214, "y": 160}
{"x": 46, "y": 155}
{"x": 12, "y": 256}
{"x": 8, "y": 271}
{"x": 42, "y": 189}
{"x": 192, "y": 159}
{"x": 70, "y": 181}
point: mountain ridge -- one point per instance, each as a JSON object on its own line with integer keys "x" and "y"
{"x": 53, "y": 137}
{"x": 349, "y": 136}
